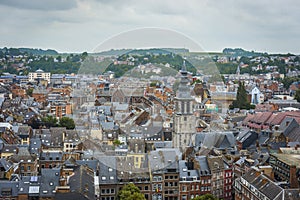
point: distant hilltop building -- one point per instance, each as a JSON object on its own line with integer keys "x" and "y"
{"x": 39, "y": 75}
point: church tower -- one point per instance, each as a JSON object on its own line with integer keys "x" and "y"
{"x": 238, "y": 72}
{"x": 184, "y": 119}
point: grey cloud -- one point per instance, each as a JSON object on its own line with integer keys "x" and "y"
{"x": 40, "y": 4}
{"x": 253, "y": 25}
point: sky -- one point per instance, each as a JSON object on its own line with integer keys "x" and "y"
{"x": 87, "y": 25}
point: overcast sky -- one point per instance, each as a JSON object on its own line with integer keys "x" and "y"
{"x": 81, "y": 25}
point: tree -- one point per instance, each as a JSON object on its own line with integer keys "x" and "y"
{"x": 241, "y": 101}
{"x": 67, "y": 122}
{"x": 49, "y": 121}
{"x": 35, "y": 122}
{"x": 129, "y": 192}
{"x": 205, "y": 197}
{"x": 84, "y": 55}
{"x": 117, "y": 142}
{"x": 58, "y": 58}
{"x": 297, "y": 95}
{"x": 29, "y": 91}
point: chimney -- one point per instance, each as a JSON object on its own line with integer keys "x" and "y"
{"x": 293, "y": 177}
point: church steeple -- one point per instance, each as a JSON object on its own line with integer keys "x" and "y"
{"x": 183, "y": 88}
{"x": 238, "y": 71}
{"x": 183, "y": 68}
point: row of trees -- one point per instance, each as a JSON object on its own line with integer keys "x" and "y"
{"x": 130, "y": 191}
{"x": 50, "y": 121}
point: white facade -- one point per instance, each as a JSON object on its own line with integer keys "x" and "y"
{"x": 39, "y": 75}
{"x": 256, "y": 96}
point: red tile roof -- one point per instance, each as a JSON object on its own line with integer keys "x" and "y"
{"x": 247, "y": 119}
{"x": 256, "y": 117}
{"x": 278, "y": 118}
{"x": 264, "y": 117}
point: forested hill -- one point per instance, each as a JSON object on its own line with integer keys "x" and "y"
{"x": 119, "y": 52}
{"x": 28, "y": 51}
{"x": 240, "y": 52}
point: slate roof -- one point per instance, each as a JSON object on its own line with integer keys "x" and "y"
{"x": 71, "y": 136}
{"x": 92, "y": 164}
{"x": 106, "y": 110}
{"x": 164, "y": 158}
{"x": 70, "y": 196}
{"x": 242, "y": 133}
{"x": 35, "y": 146}
{"x": 203, "y": 165}
{"x": 9, "y": 186}
{"x": 184, "y": 172}
{"x": 48, "y": 181}
{"x": 51, "y": 155}
{"x": 24, "y": 130}
{"x": 9, "y": 148}
{"x": 108, "y": 126}
{"x": 262, "y": 183}
{"x": 23, "y": 154}
{"x": 263, "y": 138}
{"x": 83, "y": 182}
{"x": 107, "y": 170}
{"x": 5, "y": 164}
{"x": 30, "y": 185}
{"x": 215, "y": 139}
{"x": 123, "y": 107}
{"x": 136, "y": 145}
